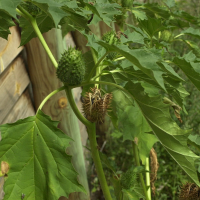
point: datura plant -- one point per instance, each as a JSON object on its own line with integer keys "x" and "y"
{"x": 128, "y": 75}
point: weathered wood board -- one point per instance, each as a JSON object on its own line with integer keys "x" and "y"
{"x": 9, "y": 48}
{"x": 12, "y": 84}
{"x": 22, "y": 109}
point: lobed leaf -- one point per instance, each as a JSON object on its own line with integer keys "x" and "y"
{"x": 35, "y": 150}
{"x": 189, "y": 67}
{"x": 167, "y": 131}
{"x": 45, "y": 23}
{"x": 5, "y": 23}
{"x": 145, "y": 59}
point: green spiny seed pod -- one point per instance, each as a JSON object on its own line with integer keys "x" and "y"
{"x": 128, "y": 179}
{"x": 71, "y": 67}
{"x": 111, "y": 38}
{"x": 31, "y": 8}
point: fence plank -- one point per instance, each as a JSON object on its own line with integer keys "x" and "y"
{"x": 12, "y": 85}
{"x": 9, "y": 48}
{"x": 22, "y": 109}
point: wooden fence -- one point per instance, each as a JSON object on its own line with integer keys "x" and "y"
{"x": 15, "y": 101}
{"x": 16, "y": 92}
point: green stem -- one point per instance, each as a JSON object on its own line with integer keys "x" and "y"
{"x": 178, "y": 35}
{"x": 93, "y": 144}
{"x": 136, "y": 155}
{"x": 148, "y": 184}
{"x": 97, "y": 162}
{"x": 120, "y": 58}
{"x": 96, "y": 65}
{"x": 38, "y": 33}
{"x": 49, "y": 96}
{"x": 74, "y": 107}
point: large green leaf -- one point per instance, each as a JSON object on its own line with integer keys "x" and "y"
{"x": 157, "y": 9}
{"x": 167, "y": 131}
{"x": 151, "y": 26}
{"x": 10, "y": 6}
{"x": 73, "y": 21}
{"x": 145, "y": 59}
{"x": 104, "y": 10}
{"x": 139, "y": 14}
{"x": 189, "y": 67}
{"x": 35, "y": 150}
{"x": 53, "y": 8}
{"x": 133, "y": 125}
{"x": 45, "y": 23}
{"x": 5, "y": 22}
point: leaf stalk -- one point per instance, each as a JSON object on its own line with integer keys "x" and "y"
{"x": 33, "y": 22}
{"x": 48, "y": 97}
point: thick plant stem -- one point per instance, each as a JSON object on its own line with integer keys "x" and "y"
{"x": 74, "y": 107}
{"x": 93, "y": 144}
{"x": 136, "y": 155}
{"x": 97, "y": 162}
{"x": 148, "y": 184}
{"x": 33, "y": 22}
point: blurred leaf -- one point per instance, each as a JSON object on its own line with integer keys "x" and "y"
{"x": 117, "y": 187}
{"x": 193, "y": 32}
{"x": 167, "y": 131}
{"x": 132, "y": 37}
{"x": 133, "y": 125}
{"x": 170, "y": 70}
{"x": 170, "y": 3}
{"x": 178, "y": 23}
{"x": 186, "y": 16}
{"x": 151, "y": 26}
{"x": 194, "y": 46}
{"x": 139, "y": 14}
{"x": 191, "y": 69}
{"x": 9, "y": 6}
{"x": 106, "y": 162}
{"x": 73, "y": 21}
{"x": 134, "y": 193}
{"x": 5, "y": 23}
{"x": 157, "y": 9}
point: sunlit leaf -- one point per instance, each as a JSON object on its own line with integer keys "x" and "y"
{"x": 35, "y": 150}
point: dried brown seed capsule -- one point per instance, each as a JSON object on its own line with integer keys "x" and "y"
{"x": 95, "y": 106}
{"x": 189, "y": 191}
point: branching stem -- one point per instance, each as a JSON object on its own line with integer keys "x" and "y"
{"x": 96, "y": 65}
